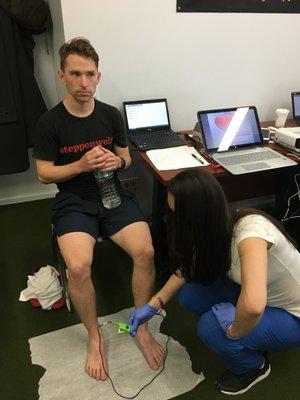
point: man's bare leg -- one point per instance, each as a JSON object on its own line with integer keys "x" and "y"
{"x": 77, "y": 250}
{"x": 142, "y": 288}
{"x": 135, "y": 239}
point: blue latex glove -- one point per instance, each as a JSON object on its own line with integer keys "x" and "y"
{"x": 225, "y": 314}
{"x": 140, "y": 316}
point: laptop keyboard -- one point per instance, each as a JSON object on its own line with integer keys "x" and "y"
{"x": 250, "y": 157}
{"x": 158, "y": 140}
{"x": 158, "y": 137}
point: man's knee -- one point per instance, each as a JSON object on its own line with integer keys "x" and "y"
{"x": 79, "y": 270}
{"x": 144, "y": 256}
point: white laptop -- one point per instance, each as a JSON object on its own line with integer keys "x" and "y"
{"x": 232, "y": 137}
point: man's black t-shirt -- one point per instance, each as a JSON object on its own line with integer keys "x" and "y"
{"x": 64, "y": 138}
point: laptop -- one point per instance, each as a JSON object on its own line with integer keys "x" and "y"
{"x": 296, "y": 107}
{"x": 232, "y": 137}
{"x": 148, "y": 124}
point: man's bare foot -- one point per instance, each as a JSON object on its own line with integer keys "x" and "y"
{"x": 96, "y": 365}
{"x": 152, "y": 351}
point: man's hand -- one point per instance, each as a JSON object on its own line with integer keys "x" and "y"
{"x": 140, "y": 316}
{"x": 110, "y": 160}
{"x": 225, "y": 314}
{"x": 99, "y": 158}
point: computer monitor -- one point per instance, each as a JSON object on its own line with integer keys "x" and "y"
{"x": 146, "y": 115}
{"x": 296, "y": 106}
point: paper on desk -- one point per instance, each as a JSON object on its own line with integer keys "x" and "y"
{"x": 175, "y": 158}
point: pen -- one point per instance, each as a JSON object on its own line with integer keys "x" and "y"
{"x": 197, "y": 158}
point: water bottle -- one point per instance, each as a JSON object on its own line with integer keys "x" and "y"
{"x": 108, "y": 190}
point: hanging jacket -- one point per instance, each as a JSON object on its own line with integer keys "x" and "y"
{"x": 21, "y": 102}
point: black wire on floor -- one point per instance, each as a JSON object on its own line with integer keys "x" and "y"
{"x": 147, "y": 384}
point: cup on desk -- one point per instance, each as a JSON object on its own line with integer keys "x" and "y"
{"x": 281, "y": 117}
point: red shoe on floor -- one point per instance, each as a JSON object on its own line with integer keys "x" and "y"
{"x": 60, "y": 303}
{"x": 35, "y": 303}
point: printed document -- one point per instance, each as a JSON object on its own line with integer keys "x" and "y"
{"x": 176, "y": 158}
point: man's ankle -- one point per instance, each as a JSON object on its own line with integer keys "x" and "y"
{"x": 142, "y": 329}
{"x": 94, "y": 334}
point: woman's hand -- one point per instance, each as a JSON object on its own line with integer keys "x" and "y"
{"x": 140, "y": 316}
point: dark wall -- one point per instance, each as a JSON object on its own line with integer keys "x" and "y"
{"x": 252, "y": 6}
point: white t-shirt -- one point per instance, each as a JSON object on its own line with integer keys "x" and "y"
{"x": 283, "y": 283}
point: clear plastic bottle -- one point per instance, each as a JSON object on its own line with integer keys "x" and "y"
{"x": 108, "y": 190}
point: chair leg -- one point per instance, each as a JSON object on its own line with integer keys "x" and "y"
{"x": 62, "y": 269}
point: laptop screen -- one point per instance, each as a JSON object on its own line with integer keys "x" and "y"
{"x": 230, "y": 128}
{"x": 296, "y": 104}
{"x": 146, "y": 115}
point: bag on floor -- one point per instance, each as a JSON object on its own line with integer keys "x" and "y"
{"x": 44, "y": 289}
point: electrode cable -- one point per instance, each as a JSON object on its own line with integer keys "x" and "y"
{"x": 147, "y": 384}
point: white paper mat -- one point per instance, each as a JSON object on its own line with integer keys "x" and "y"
{"x": 62, "y": 353}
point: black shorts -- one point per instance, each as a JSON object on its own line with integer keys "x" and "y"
{"x": 73, "y": 214}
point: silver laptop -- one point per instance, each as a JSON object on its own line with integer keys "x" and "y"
{"x": 232, "y": 137}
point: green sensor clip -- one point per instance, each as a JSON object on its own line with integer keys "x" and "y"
{"x": 123, "y": 328}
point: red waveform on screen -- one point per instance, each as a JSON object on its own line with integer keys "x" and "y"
{"x": 222, "y": 121}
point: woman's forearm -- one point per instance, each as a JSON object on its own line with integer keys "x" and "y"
{"x": 167, "y": 291}
{"x": 245, "y": 319}
{"x": 252, "y": 301}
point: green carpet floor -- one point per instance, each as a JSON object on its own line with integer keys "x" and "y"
{"x": 26, "y": 244}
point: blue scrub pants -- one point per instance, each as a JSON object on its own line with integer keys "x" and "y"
{"x": 277, "y": 328}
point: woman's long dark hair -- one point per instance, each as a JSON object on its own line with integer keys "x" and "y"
{"x": 200, "y": 229}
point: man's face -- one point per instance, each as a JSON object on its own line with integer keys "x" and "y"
{"x": 80, "y": 76}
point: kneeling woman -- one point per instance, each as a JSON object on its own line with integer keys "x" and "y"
{"x": 239, "y": 272}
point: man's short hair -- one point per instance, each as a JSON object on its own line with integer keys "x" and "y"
{"x": 80, "y": 46}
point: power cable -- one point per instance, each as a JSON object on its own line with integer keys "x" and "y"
{"x": 285, "y": 217}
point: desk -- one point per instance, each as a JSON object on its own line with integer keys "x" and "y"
{"x": 236, "y": 187}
